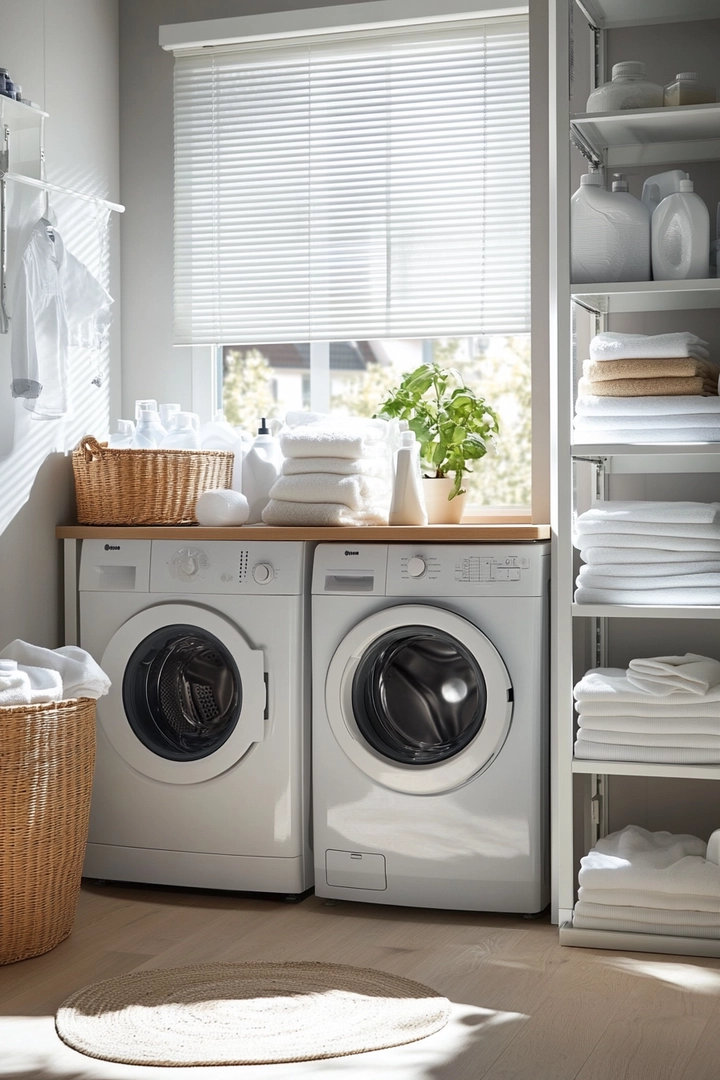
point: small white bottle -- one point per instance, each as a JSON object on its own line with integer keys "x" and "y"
{"x": 260, "y": 469}
{"x": 144, "y": 436}
{"x": 123, "y": 437}
{"x": 658, "y": 187}
{"x": 629, "y": 89}
{"x": 681, "y": 236}
{"x": 184, "y": 433}
{"x": 144, "y": 403}
{"x": 407, "y": 506}
{"x": 219, "y": 435}
{"x": 609, "y": 234}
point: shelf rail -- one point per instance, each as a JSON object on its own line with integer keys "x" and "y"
{"x": 41, "y": 185}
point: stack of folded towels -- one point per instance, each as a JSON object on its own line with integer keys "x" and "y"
{"x": 662, "y": 709}
{"x": 31, "y": 675}
{"x": 660, "y": 553}
{"x": 335, "y": 472}
{"x": 649, "y": 883}
{"x": 648, "y": 389}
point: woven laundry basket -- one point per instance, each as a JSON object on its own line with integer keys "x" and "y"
{"x": 144, "y": 487}
{"x": 47, "y": 757}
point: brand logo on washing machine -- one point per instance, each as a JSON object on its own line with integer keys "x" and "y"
{"x": 112, "y": 547}
{"x": 352, "y": 552}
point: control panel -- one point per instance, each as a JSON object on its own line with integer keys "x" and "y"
{"x": 226, "y": 566}
{"x": 475, "y": 568}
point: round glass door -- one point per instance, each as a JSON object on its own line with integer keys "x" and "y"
{"x": 418, "y": 695}
{"x": 182, "y": 693}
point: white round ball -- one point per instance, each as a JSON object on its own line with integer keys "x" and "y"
{"x": 222, "y": 506}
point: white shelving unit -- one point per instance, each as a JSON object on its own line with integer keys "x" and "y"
{"x": 663, "y": 137}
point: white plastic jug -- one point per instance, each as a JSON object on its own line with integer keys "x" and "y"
{"x": 407, "y": 506}
{"x": 167, "y": 410}
{"x": 659, "y": 186}
{"x": 260, "y": 469}
{"x": 144, "y": 403}
{"x": 123, "y": 437}
{"x": 144, "y": 437}
{"x": 184, "y": 433}
{"x": 609, "y": 234}
{"x": 219, "y": 435}
{"x": 681, "y": 236}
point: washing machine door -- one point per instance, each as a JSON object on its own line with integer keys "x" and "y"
{"x": 188, "y": 693}
{"x": 419, "y": 699}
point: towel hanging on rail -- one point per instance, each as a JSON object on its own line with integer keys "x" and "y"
{"x": 57, "y": 304}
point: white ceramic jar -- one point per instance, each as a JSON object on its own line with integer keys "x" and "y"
{"x": 629, "y": 89}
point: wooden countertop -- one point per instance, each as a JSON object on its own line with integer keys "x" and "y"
{"x": 456, "y": 533}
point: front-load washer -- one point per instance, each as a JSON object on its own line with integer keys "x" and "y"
{"x": 430, "y": 724}
{"x": 203, "y": 757}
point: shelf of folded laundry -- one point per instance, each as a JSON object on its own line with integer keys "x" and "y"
{"x": 645, "y": 611}
{"x": 626, "y": 941}
{"x": 615, "y": 297}
{"x": 624, "y": 458}
{"x": 645, "y": 768}
{"x": 669, "y": 135}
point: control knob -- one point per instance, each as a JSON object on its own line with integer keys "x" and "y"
{"x": 416, "y": 567}
{"x": 263, "y": 573}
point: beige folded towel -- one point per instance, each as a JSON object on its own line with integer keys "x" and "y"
{"x": 602, "y": 370}
{"x": 668, "y": 387}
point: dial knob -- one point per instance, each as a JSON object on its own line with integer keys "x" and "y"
{"x": 263, "y": 573}
{"x": 189, "y": 562}
{"x": 416, "y": 566}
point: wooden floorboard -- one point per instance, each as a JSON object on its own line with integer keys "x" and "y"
{"x": 523, "y": 1007}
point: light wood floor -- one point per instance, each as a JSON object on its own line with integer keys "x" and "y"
{"x": 524, "y": 1008}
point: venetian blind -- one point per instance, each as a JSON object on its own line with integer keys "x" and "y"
{"x": 352, "y": 186}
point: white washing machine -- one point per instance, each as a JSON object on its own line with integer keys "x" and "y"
{"x": 203, "y": 760}
{"x": 430, "y": 724}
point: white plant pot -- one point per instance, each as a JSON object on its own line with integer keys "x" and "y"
{"x": 440, "y": 510}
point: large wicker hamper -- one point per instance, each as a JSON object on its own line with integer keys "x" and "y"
{"x": 47, "y": 758}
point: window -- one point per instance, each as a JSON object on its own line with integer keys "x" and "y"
{"x": 368, "y": 188}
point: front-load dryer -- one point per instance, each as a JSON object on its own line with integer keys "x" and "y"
{"x": 202, "y": 775}
{"x": 430, "y": 724}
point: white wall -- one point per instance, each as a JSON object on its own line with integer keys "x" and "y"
{"x": 65, "y": 55}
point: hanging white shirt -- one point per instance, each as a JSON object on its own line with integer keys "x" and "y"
{"x": 57, "y": 304}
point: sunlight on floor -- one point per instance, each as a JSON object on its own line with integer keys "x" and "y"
{"x": 32, "y": 1051}
{"x": 692, "y": 977}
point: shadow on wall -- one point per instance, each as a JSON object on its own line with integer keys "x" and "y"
{"x": 26, "y": 442}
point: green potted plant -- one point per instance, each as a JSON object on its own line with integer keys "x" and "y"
{"x": 453, "y": 425}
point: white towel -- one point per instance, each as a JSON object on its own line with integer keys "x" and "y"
{"x": 612, "y": 685}
{"x": 281, "y": 512}
{"x": 630, "y": 436}
{"x": 596, "y": 580}
{"x": 339, "y": 465}
{"x": 651, "y": 708}
{"x": 583, "y": 922}
{"x": 657, "y": 755}
{"x": 659, "y": 573}
{"x": 14, "y": 684}
{"x": 665, "y": 513}
{"x": 651, "y": 597}
{"x": 670, "y": 722}
{"x": 636, "y": 913}
{"x": 79, "y": 675}
{"x": 336, "y": 437}
{"x": 661, "y": 675}
{"x": 634, "y": 559}
{"x": 661, "y": 544}
{"x": 658, "y": 424}
{"x": 649, "y": 898}
{"x": 586, "y": 527}
{"x": 634, "y": 858}
{"x": 685, "y": 408}
{"x": 615, "y": 346}
{"x": 355, "y": 492}
{"x": 686, "y": 740}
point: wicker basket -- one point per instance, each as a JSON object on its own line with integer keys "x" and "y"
{"x": 144, "y": 487}
{"x": 47, "y": 757}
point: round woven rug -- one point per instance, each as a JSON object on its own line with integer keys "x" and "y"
{"x": 247, "y": 1014}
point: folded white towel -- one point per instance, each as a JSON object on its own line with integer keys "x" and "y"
{"x": 593, "y": 574}
{"x": 635, "y": 913}
{"x": 661, "y": 675}
{"x": 661, "y": 544}
{"x": 630, "y": 436}
{"x": 14, "y": 684}
{"x": 652, "y": 708}
{"x": 686, "y": 740}
{"x": 583, "y": 922}
{"x": 594, "y": 579}
{"x": 612, "y": 685}
{"x": 335, "y": 437}
{"x": 339, "y": 465}
{"x": 652, "y": 530}
{"x": 685, "y": 408}
{"x": 282, "y": 512}
{"x": 651, "y": 597}
{"x": 355, "y": 492}
{"x": 634, "y": 858}
{"x": 79, "y": 674}
{"x": 650, "y": 898}
{"x": 665, "y": 513}
{"x": 614, "y": 346}
{"x": 656, "y": 755}
{"x": 670, "y": 722}
{"x": 634, "y": 560}
{"x": 686, "y": 424}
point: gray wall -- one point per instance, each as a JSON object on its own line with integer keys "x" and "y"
{"x": 65, "y": 55}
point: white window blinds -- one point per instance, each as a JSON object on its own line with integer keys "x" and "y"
{"x": 354, "y": 186}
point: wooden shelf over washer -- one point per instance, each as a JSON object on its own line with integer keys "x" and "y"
{"x": 471, "y": 534}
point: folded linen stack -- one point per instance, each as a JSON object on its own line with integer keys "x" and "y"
{"x": 663, "y": 709}
{"x": 641, "y": 389}
{"x": 660, "y": 553}
{"x": 31, "y": 675}
{"x": 649, "y": 883}
{"x": 335, "y": 472}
